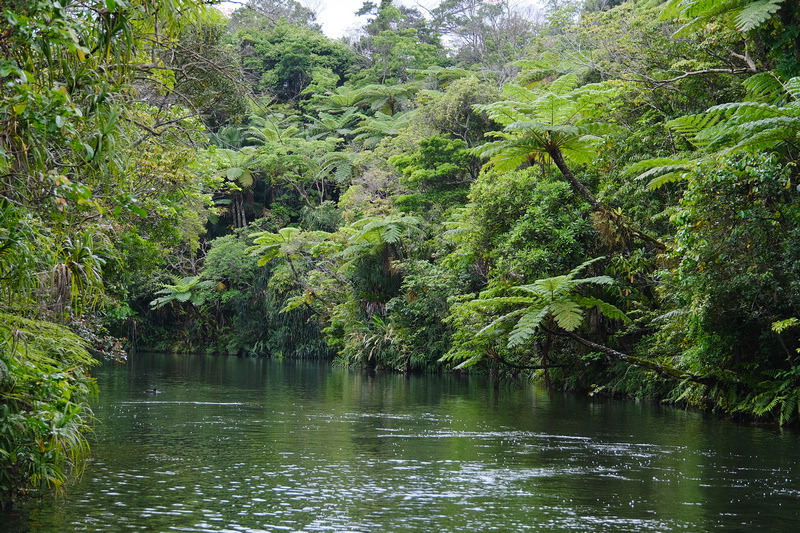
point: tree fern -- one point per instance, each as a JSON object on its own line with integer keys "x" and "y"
{"x": 288, "y": 242}
{"x": 742, "y": 15}
{"x": 554, "y": 300}
{"x": 380, "y": 230}
{"x": 374, "y": 129}
{"x": 768, "y": 120}
{"x": 184, "y": 290}
{"x": 237, "y": 164}
{"x": 339, "y": 164}
{"x": 549, "y": 124}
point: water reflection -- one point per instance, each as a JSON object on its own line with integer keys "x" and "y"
{"x": 254, "y": 445}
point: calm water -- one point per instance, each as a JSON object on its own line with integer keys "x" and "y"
{"x": 250, "y": 445}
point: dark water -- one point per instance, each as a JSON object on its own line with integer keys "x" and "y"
{"x": 251, "y": 445}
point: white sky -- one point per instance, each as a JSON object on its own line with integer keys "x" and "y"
{"x": 337, "y": 17}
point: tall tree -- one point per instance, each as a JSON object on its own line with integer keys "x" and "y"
{"x": 283, "y": 59}
{"x": 395, "y": 40}
{"x": 489, "y": 36}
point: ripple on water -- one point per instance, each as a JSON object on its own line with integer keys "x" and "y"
{"x": 254, "y": 446}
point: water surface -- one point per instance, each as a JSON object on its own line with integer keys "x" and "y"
{"x": 254, "y": 445}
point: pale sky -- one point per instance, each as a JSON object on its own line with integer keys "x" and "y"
{"x": 337, "y": 17}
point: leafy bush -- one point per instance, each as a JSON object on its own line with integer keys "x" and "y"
{"x": 44, "y": 389}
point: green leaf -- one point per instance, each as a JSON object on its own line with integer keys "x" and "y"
{"x": 182, "y": 296}
{"x": 607, "y": 309}
{"x": 234, "y": 173}
{"x": 567, "y": 314}
{"x": 527, "y": 326}
{"x": 754, "y": 14}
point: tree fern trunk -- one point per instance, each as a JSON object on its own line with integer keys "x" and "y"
{"x": 239, "y": 220}
{"x": 580, "y": 188}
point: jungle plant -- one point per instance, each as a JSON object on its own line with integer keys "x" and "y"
{"x": 188, "y": 289}
{"x": 550, "y": 125}
{"x": 553, "y": 306}
{"x": 769, "y": 120}
{"x": 556, "y": 124}
{"x": 44, "y": 415}
{"x": 77, "y": 279}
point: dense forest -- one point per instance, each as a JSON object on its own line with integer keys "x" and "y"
{"x": 601, "y": 196}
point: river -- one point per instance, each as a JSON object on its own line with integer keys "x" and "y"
{"x": 256, "y": 445}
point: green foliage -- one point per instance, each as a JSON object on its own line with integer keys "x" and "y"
{"x": 748, "y": 126}
{"x": 437, "y": 164}
{"x": 745, "y": 15}
{"x": 523, "y": 226}
{"x": 549, "y": 304}
{"x": 771, "y": 24}
{"x": 285, "y": 57}
{"x": 18, "y": 260}
{"x": 736, "y": 243}
{"x": 44, "y": 389}
{"x": 244, "y": 309}
{"x": 489, "y": 36}
{"x": 418, "y": 314}
{"x": 451, "y": 111}
{"x": 540, "y": 123}
{"x": 438, "y": 173}
{"x": 397, "y": 41}
{"x": 184, "y": 290}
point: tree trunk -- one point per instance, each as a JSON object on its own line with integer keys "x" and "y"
{"x": 239, "y": 220}
{"x": 558, "y": 159}
{"x": 662, "y": 370}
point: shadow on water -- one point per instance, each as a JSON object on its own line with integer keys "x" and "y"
{"x": 259, "y": 445}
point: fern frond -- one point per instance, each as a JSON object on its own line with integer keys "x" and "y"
{"x": 754, "y": 14}
{"x": 764, "y": 403}
{"x": 793, "y": 87}
{"x": 534, "y": 75}
{"x": 500, "y": 320}
{"x": 790, "y": 409}
{"x": 343, "y": 172}
{"x": 767, "y": 134}
{"x": 764, "y": 87}
{"x": 662, "y": 170}
{"x": 527, "y": 326}
{"x": 568, "y": 314}
{"x": 505, "y": 112}
{"x": 595, "y": 280}
{"x": 392, "y": 234}
{"x": 469, "y": 362}
{"x": 563, "y": 84}
{"x": 507, "y": 154}
{"x": 667, "y": 177}
{"x": 608, "y": 310}
{"x": 583, "y": 266}
{"x": 646, "y": 166}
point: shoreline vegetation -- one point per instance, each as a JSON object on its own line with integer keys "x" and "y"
{"x": 601, "y": 196}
